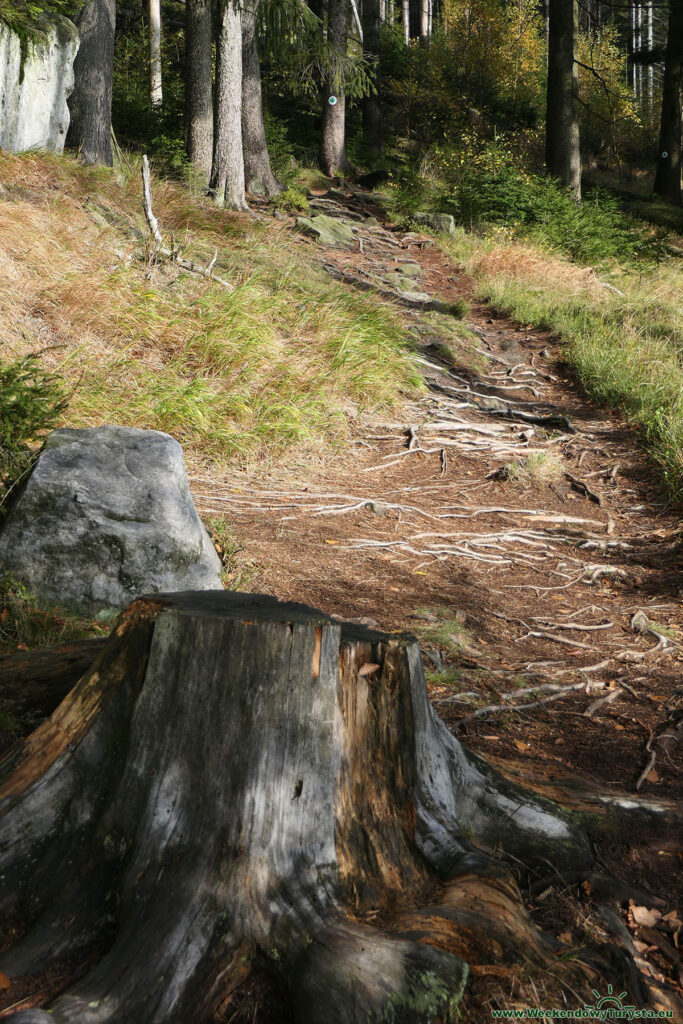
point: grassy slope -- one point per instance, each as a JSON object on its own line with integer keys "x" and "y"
{"x": 280, "y": 361}
{"x": 627, "y": 350}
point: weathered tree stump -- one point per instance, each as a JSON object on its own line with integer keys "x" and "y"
{"x": 240, "y": 788}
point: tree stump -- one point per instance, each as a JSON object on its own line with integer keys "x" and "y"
{"x": 241, "y": 791}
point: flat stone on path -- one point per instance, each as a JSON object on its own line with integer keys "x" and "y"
{"x": 330, "y": 231}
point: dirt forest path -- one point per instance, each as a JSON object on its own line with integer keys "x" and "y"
{"x": 550, "y": 589}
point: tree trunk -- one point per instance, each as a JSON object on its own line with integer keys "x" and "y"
{"x": 155, "y": 88}
{"x": 257, "y": 171}
{"x": 563, "y": 152}
{"x": 405, "y": 9}
{"x": 198, "y": 86}
{"x": 669, "y": 161}
{"x": 227, "y": 173}
{"x": 333, "y": 158}
{"x": 424, "y": 19}
{"x": 372, "y": 104}
{"x": 90, "y": 102}
{"x": 231, "y": 796}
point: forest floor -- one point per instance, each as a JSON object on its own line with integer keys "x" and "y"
{"x": 521, "y": 532}
{"x": 525, "y": 537}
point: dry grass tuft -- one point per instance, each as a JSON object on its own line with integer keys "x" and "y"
{"x": 534, "y": 267}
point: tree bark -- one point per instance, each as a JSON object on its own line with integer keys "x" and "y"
{"x": 239, "y": 788}
{"x": 669, "y": 161}
{"x": 372, "y": 104}
{"x": 333, "y": 158}
{"x": 563, "y": 151}
{"x": 405, "y": 9}
{"x": 156, "y": 95}
{"x": 198, "y": 85}
{"x": 258, "y": 174}
{"x": 90, "y": 102}
{"x": 227, "y": 173}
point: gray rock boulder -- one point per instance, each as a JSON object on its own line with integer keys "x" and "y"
{"x": 107, "y": 515}
{"x": 442, "y": 222}
{"x": 36, "y": 78}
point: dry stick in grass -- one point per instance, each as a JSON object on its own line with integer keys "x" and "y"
{"x": 172, "y": 254}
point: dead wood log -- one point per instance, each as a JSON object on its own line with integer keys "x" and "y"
{"x": 239, "y": 782}
{"x": 37, "y": 681}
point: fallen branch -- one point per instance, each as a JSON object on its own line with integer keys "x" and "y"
{"x": 172, "y": 254}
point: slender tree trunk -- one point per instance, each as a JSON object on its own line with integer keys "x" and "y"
{"x": 650, "y": 65}
{"x": 639, "y": 52}
{"x": 227, "y": 174}
{"x": 227, "y": 801}
{"x": 424, "y": 19}
{"x": 90, "y": 101}
{"x": 156, "y": 95}
{"x": 372, "y": 104}
{"x": 257, "y": 171}
{"x": 669, "y": 162}
{"x": 405, "y": 10}
{"x": 333, "y": 159}
{"x": 198, "y": 86}
{"x": 563, "y": 151}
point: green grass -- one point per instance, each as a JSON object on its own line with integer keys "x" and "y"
{"x": 626, "y": 350}
{"x": 449, "y": 676}
{"x": 441, "y": 627}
